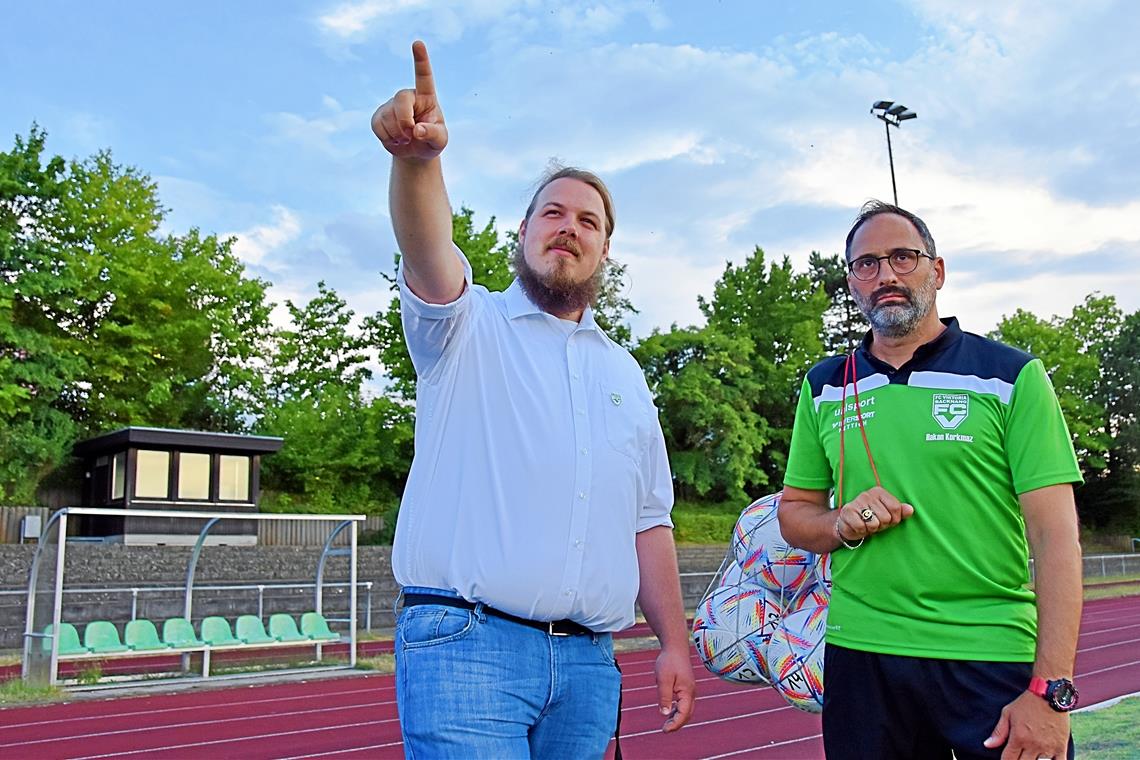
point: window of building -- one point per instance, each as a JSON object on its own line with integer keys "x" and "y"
{"x": 194, "y": 476}
{"x": 119, "y": 475}
{"x": 152, "y": 474}
{"x": 233, "y": 478}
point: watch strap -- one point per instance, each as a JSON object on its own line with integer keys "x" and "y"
{"x": 1039, "y": 686}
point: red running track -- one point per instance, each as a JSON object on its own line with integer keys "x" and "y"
{"x": 356, "y": 717}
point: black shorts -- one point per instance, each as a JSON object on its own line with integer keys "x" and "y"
{"x": 886, "y": 707}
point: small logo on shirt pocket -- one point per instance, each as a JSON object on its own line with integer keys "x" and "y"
{"x": 626, "y": 423}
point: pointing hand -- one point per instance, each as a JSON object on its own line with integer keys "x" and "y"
{"x": 410, "y": 125}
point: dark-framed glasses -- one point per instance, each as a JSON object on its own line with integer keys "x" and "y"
{"x": 902, "y": 261}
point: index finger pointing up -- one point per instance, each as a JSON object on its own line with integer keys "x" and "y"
{"x": 425, "y": 83}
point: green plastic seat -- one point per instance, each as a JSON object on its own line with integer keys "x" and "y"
{"x": 68, "y": 640}
{"x": 177, "y": 632}
{"x": 217, "y": 633}
{"x": 102, "y": 637}
{"x": 314, "y": 625}
{"x": 250, "y": 629}
{"x": 284, "y": 628}
{"x": 141, "y": 635}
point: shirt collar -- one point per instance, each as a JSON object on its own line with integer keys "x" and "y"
{"x": 519, "y": 305}
{"x": 948, "y": 336}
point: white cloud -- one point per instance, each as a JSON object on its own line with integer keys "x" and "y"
{"x": 253, "y": 245}
{"x": 350, "y": 19}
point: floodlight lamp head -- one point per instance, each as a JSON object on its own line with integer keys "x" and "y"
{"x": 907, "y": 115}
{"x": 896, "y": 109}
{"x": 882, "y": 105}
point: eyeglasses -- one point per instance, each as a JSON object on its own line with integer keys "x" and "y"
{"x": 902, "y": 261}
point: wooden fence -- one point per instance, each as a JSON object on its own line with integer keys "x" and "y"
{"x": 10, "y": 518}
{"x": 306, "y": 533}
{"x": 269, "y": 532}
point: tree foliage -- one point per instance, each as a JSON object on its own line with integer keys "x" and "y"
{"x": 106, "y": 321}
{"x": 1093, "y": 358}
{"x": 843, "y": 323}
{"x": 727, "y": 391}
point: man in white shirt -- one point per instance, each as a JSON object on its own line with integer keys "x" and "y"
{"x": 537, "y": 508}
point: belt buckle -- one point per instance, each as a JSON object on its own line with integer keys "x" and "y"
{"x": 550, "y": 630}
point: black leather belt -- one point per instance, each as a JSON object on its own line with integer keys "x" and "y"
{"x": 553, "y": 627}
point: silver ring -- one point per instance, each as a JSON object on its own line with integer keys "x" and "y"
{"x": 867, "y": 514}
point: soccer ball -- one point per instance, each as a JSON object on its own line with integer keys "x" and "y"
{"x": 764, "y": 556}
{"x": 823, "y": 573}
{"x": 814, "y": 594}
{"x": 795, "y": 658}
{"x": 731, "y": 629}
{"x": 756, "y": 527}
{"x": 782, "y": 568}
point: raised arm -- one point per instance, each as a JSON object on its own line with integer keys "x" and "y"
{"x": 410, "y": 126}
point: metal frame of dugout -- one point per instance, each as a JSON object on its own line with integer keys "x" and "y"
{"x": 45, "y": 589}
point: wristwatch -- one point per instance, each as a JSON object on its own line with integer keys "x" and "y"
{"x": 1061, "y": 695}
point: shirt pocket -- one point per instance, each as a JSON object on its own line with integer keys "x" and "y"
{"x": 626, "y": 420}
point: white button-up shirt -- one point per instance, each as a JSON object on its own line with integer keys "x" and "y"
{"x": 539, "y": 456}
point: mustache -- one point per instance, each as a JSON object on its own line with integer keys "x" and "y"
{"x": 891, "y": 290}
{"x": 566, "y": 242}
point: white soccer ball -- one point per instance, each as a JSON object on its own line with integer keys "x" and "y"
{"x": 731, "y": 629}
{"x": 795, "y": 658}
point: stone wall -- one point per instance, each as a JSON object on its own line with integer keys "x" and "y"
{"x": 121, "y": 567}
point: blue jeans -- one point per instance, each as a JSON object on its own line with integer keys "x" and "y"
{"x": 473, "y": 685}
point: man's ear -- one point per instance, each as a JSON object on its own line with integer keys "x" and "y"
{"x": 522, "y": 231}
{"x": 606, "y": 250}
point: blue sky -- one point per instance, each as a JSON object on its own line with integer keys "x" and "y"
{"x": 719, "y": 125}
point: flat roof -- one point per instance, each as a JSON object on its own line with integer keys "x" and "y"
{"x": 182, "y": 440}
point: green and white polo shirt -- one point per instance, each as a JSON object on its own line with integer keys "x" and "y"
{"x": 958, "y": 432}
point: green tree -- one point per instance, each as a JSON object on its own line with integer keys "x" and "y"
{"x": 106, "y": 321}
{"x": 780, "y": 312}
{"x": 727, "y": 391}
{"x": 705, "y": 388}
{"x": 319, "y": 350}
{"x": 37, "y": 363}
{"x": 843, "y": 323}
{"x": 159, "y": 320}
{"x": 1111, "y": 500}
{"x": 1073, "y": 364}
{"x": 344, "y": 452}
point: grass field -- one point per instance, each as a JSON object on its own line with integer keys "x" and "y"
{"x": 1109, "y": 734}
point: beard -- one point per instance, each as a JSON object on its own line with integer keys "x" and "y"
{"x": 894, "y": 320}
{"x": 557, "y": 292}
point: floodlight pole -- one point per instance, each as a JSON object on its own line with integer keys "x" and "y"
{"x": 891, "y": 158}
{"x": 892, "y": 114}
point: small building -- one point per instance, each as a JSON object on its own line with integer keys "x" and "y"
{"x": 155, "y": 468}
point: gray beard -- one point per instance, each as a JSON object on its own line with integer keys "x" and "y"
{"x": 898, "y": 320}
{"x": 555, "y": 293}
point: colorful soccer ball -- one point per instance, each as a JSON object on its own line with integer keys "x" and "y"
{"x": 814, "y": 594}
{"x": 823, "y": 572}
{"x": 756, "y": 527}
{"x": 795, "y": 658}
{"x": 782, "y": 568}
{"x": 763, "y": 554}
{"x": 731, "y": 629}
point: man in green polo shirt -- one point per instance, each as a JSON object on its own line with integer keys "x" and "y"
{"x": 931, "y": 461}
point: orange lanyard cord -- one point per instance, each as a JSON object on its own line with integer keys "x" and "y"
{"x": 849, "y": 370}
